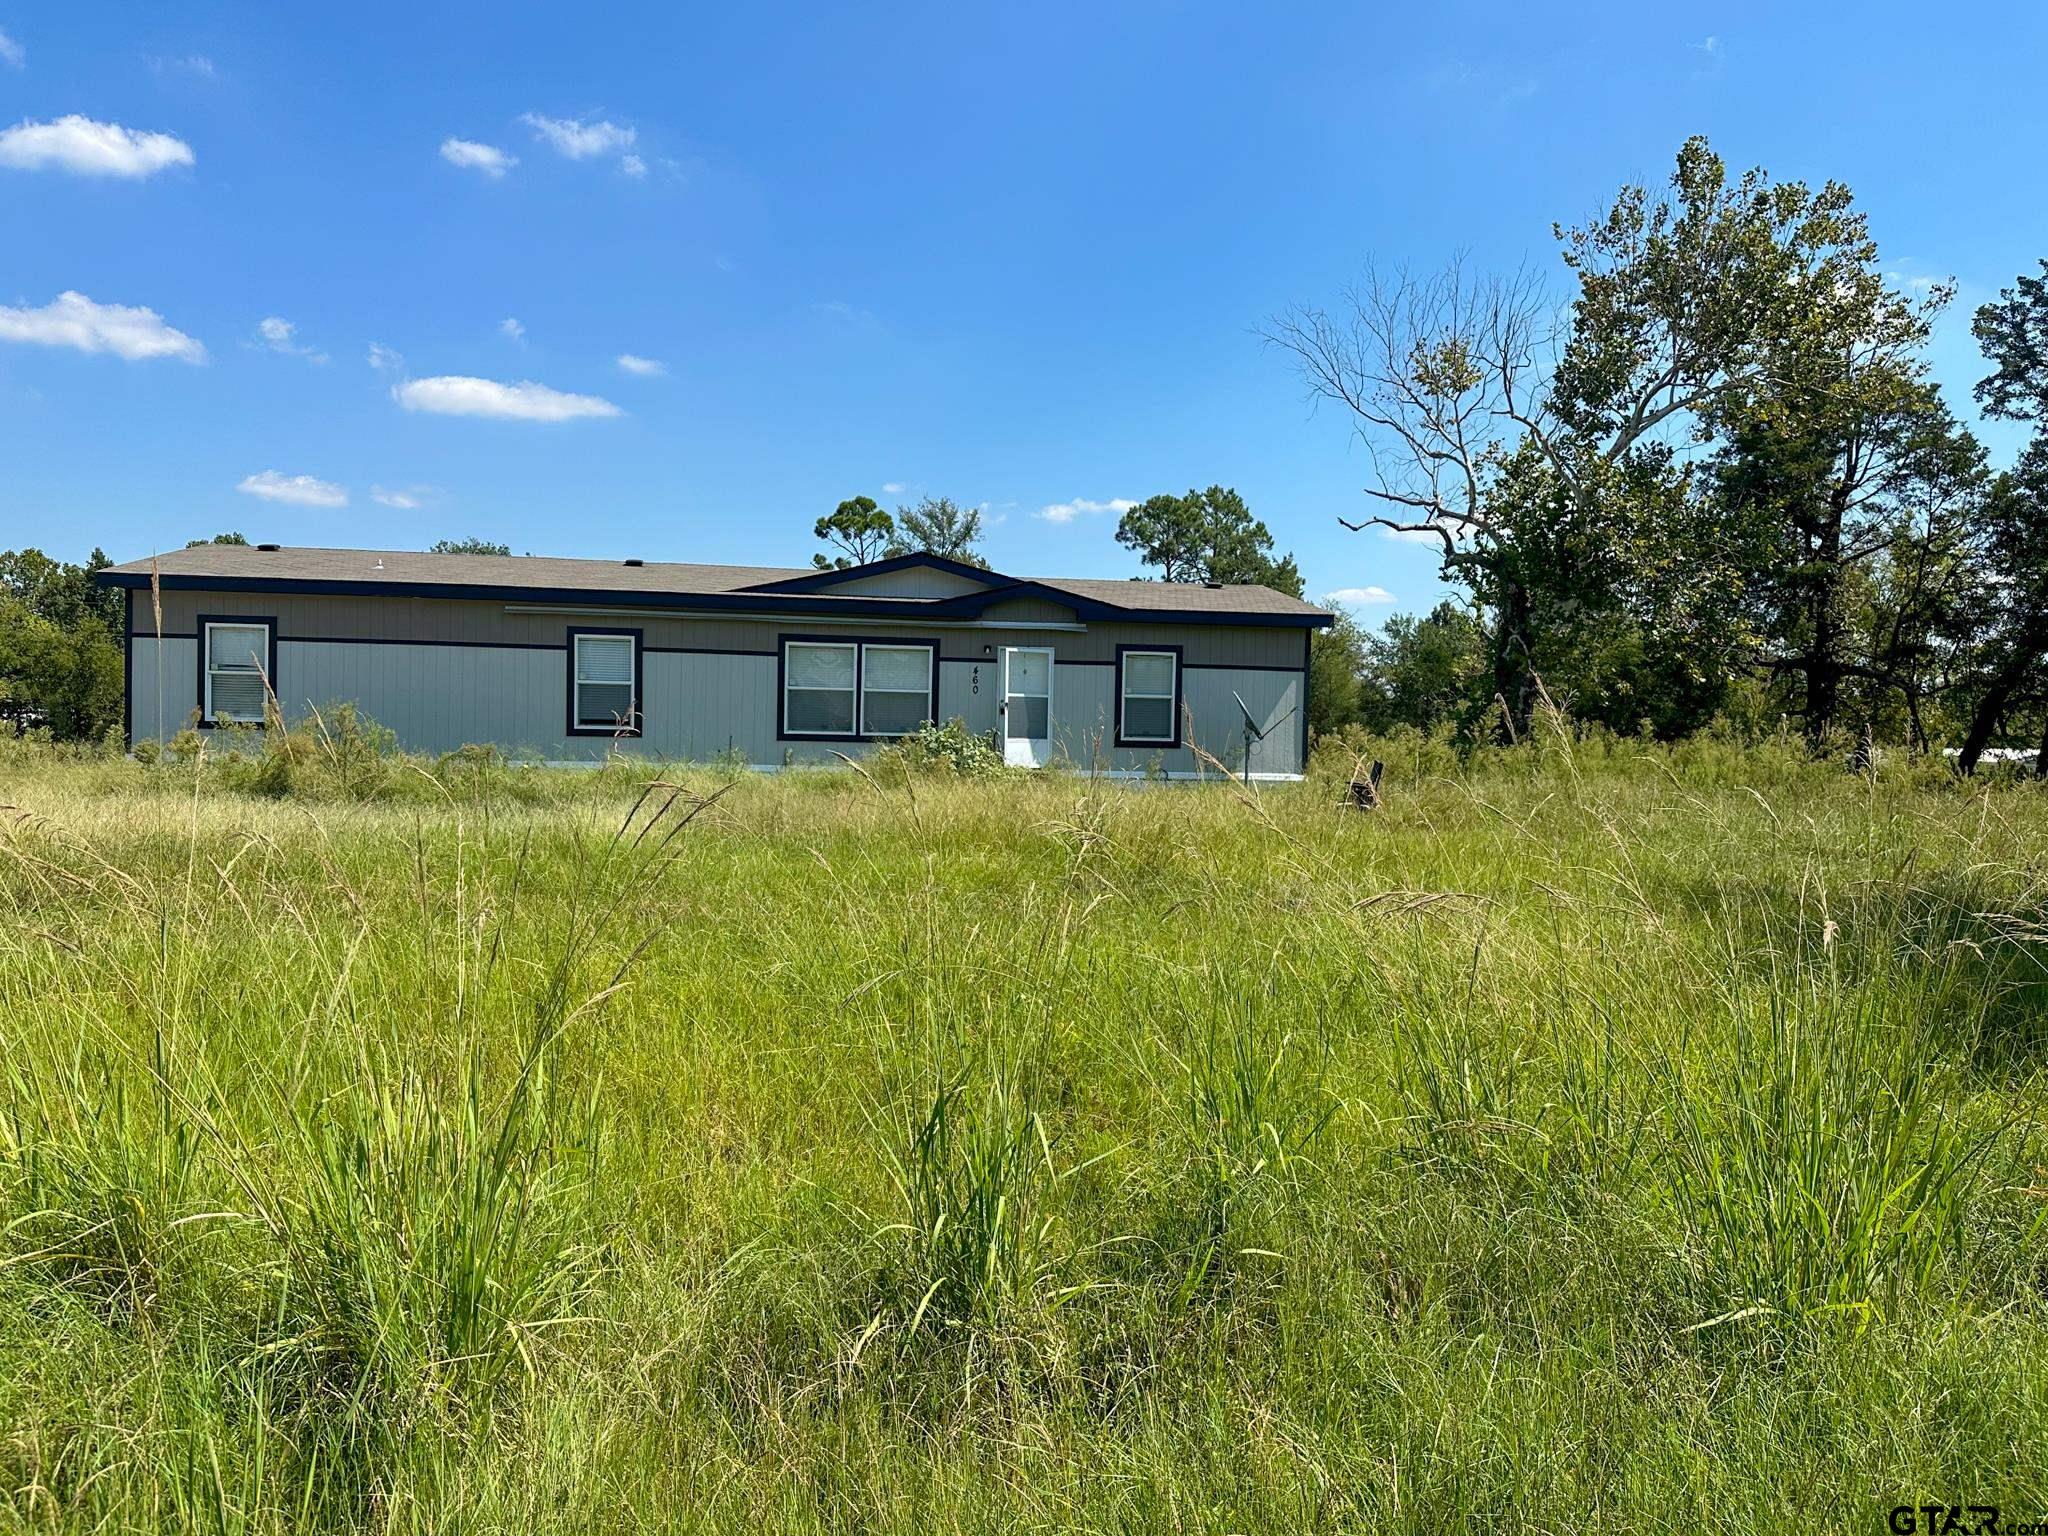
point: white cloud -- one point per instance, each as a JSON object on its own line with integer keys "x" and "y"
{"x": 472, "y": 156}
{"x": 1067, "y": 511}
{"x": 86, "y": 148}
{"x": 579, "y": 140}
{"x": 73, "y": 320}
{"x": 511, "y": 329}
{"x": 633, "y": 165}
{"x": 1709, "y": 45}
{"x": 12, "y": 52}
{"x": 454, "y": 395}
{"x": 191, "y": 64}
{"x": 279, "y": 335}
{"x": 385, "y": 359}
{"x": 299, "y": 490}
{"x": 1421, "y": 536}
{"x": 894, "y": 488}
{"x": 408, "y": 499}
{"x": 1359, "y": 597}
{"x": 645, "y": 367}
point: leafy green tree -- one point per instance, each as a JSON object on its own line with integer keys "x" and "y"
{"x": 469, "y": 547}
{"x": 218, "y": 538}
{"x": 60, "y": 646}
{"x": 1557, "y": 493}
{"x": 2012, "y": 332}
{"x": 1207, "y": 536}
{"x": 1423, "y": 672}
{"x": 2008, "y": 666}
{"x": 938, "y": 525}
{"x": 57, "y": 590}
{"x": 1336, "y": 658}
{"x": 858, "y": 529}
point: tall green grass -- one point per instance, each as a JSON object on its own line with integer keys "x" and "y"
{"x": 1594, "y": 1137}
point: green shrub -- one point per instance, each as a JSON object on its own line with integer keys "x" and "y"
{"x": 949, "y": 750}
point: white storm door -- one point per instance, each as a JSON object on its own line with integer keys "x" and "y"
{"x": 1027, "y": 705}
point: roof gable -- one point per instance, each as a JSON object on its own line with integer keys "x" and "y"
{"x": 875, "y": 577}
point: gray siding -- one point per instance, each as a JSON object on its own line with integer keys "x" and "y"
{"x": 911, "y": 581}
{"x": 443, "y": 673}
{"x": 162, "y": 682}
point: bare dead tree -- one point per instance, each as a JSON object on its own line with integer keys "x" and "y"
{"x": 1440, "y": 374}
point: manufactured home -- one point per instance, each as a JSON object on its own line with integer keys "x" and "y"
{"x": 570, "y": 660}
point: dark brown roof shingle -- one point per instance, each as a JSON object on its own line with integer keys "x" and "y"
{"x": 661, "y": 581}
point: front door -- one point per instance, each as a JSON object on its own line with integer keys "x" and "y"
{"x": 1027, "y": 705}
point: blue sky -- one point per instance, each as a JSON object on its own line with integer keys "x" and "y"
{"x": 1014, "y": 255}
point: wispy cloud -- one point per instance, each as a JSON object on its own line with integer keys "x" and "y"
{"x": 511, "y": 329}
{"x": 197, "y": 64}
{"x": 86, "y": 148}
{"x": 633, "y": 165}
{"x": 12, "y": 53}
{"x": 407, "y": 499}
{"x": 894, "y": 488}
{"x": 644, "y": 367}
{"x": 472, "y": 156}
{"x": 1912, "y": 281}
{"x": 73, "y": 320}
{"x": 851, "y": 316}
{"x": 385, "y": 359}
{"x": 455, "y": 395}
{"x": 296, "y": 490}
{"x": 1080, "y": 506}
{"x": 1420, "y": 536}
{"x": 1709, "y": 45}
{"x": 579, "y": 140}
{"x": 280, "y": 335}
{"x": 1359, "y": 597}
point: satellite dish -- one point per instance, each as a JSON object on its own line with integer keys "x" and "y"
{"x": 1253, "y": 731}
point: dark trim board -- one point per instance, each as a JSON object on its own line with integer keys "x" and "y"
{"x": 858, "y": 642}
{"x": 705, "y": 650}
{"x": 1308, "y": 652}
{"x": 269, "y": 623}
{"x": 1228, "y": 666}
{"x": 128, "y": 674}
{"x": 639, "y": 710}
{"x": 1142, "y": 744}
{"x": 459, "y": 645}
{"x": 479, "y": 645}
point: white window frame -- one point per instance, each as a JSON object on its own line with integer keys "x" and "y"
{"x": 1124, "y": 696}
{"x": 788, "y": 687}
{"x": 635, "y": 718}
{"x": 931, "y": 665}
{"x": 258, "y": 627}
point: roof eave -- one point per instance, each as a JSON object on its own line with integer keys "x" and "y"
{"x": 966, "y": 605}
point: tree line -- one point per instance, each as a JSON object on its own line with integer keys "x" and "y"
{"x": 1716, "y": 482}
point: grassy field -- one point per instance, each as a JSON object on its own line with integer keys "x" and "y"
{"x": 1592, "y": 1139}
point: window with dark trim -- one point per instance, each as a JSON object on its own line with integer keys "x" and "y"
{"x": 895, "y": 688}
{"x": 604, "y": 682}
{"x": 841, "y": 689}
{"x": 237, "y": 669}
{"x": 1148, "y": 696}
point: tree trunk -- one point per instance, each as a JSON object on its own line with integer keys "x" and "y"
{"x": 1514, "y": 676}
{"x": 1992, "y": 702}
{"x": 2041, "y": 757}
{"x": 1822, "y": 663}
